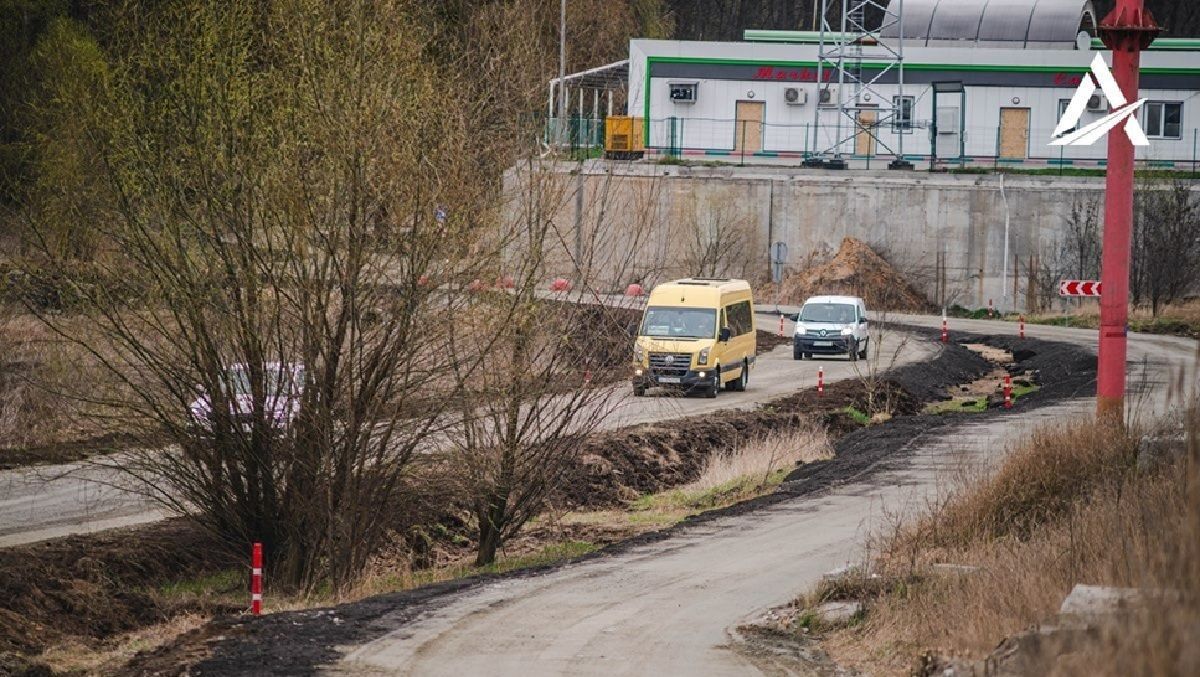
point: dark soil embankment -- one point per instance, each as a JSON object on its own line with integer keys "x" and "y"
{"x": 95, "y": 586}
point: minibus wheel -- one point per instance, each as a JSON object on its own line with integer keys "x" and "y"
{"x": 715, "y": 388}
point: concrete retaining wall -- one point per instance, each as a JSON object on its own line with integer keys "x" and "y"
{"x": 621, "y": 221}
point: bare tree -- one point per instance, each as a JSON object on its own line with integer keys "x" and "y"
{"x": 252, "y": 153}
{"x": 1166, "y": 244}
{"x": 722, "y": 240}
{"x": 520, "y": 420}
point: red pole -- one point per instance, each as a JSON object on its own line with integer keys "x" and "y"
{"x": 1127, "y": 30}
{"x": 1022, "y": 326}
{"x": 945, "y": 331}
{"x": 781, "y": 325}
{"x": 820, "y": 380}
{"x": 1007, "y": 391}
{"x": 256, "y": 579}
{"x": 990, "y": 311}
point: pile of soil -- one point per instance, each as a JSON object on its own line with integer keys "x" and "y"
{"x": 856, "y": 270}
{"x": 95, "y": 586}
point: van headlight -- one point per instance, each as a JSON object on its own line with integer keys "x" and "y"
{"x": 800, "y": 329}
{"x": 847, "y": 331}
{"x": 703, "y": 358}
{"x": 639, "y": 353}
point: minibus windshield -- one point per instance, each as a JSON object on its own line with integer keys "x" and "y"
{"x": 680, "y": 323}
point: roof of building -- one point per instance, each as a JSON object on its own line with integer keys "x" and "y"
{"x": 1013, "y": 22}
{"x": 814, "y": 38}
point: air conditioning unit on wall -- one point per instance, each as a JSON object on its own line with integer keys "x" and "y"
{"x": 794, "y": 96}
{"x": 826, "y": 96}
{"x": 1097, "y": 104}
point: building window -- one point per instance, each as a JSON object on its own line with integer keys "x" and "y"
{"x": 1062, "y": 111}
{"x": 1163, "y": 120}
{"x": 903, "y": 106}
{"x": 683, "y": 92}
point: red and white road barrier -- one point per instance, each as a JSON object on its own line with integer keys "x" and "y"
{"x": 256, "y": 579}
{"x": 560, "y": 284}
{"x": 1022, "y": 326}
{"x": 634, "y": 289}
{"x": 945, "y": 330}
{"x": 1007, "y": 391}
{"x": 781, "y": 325}
{"x": 820, "y": 380}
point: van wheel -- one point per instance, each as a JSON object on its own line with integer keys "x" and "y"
{"x": 744, "y": 379}
{"x": 862, "y": 354}
{"x": 797, "y": 355}
{"x": 715, "y": 388}
{"x": 853, "y": 353}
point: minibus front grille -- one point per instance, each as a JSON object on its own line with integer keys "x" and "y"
{"x": 670, "y": 363}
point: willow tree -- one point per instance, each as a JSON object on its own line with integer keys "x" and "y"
{"x": 281, "y": 181}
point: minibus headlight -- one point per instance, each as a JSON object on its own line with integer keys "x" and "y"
{"x": 639, "y": 353}
{"x": 703, "y": 358}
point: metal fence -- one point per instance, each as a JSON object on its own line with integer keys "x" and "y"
{"x": 743, "y": 141}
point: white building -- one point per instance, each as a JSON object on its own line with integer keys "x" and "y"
{"x": 984, "y": 84}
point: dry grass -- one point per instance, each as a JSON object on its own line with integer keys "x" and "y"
{"x": 1181, "y": 318}
{"x": 750, "y": 469}
{"x": 1069, "y": 506}
{"x": 108, "y": 657}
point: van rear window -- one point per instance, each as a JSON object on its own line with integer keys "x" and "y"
{"x": 682, "y": 323}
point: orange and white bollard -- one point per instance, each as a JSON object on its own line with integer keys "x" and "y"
{"x": 820, "y": 380}
{"x": 781, "y": 324}
{"x": 1008, "y": 391}
{"x": 1022, "y": 326}
{"x": 256, "y": 564}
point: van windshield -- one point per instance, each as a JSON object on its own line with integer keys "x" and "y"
{"x": 832, "y": 313}
{"x": 683, "y": 323}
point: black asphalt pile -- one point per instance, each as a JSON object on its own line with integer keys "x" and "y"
{"x": 1064, "y": 371}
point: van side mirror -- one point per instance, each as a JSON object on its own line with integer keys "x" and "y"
{"x": 862, "y": 320}
{"x": 726, "y": 334}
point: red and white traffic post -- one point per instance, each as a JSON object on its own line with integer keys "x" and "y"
{"x": 256, "y": 564}
{"x": 781, "y": 324}
{"x": 1008, "y": 391}
{"x": 991, "y": 309}
{"x": 820, "y": 380}
{"x": 1127, "y": 30}
{"x": 1022, "y": 326}
{"x": 945, "y": 329}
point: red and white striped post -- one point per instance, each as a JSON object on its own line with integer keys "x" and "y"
{"x": 991, "y": 309}
{"x": 820, "y": 380}
{"x": 256, "y": 579}
{"x": 587, "y": 377}
{"x": 781, "y": 324}
{"x": 1007, "y": 391}
{"x": 945, "y": 330}
{"x": 1022, "y": 326}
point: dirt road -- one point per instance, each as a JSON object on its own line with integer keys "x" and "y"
{"x": 52, "y": 501}
{"x": 672, "y": 607}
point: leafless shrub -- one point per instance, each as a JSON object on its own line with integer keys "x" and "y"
{"x": 268, "y": 217}
{"x": 762, "y": 456}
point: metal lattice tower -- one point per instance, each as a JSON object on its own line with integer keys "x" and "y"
{"x": 852, "y": 63}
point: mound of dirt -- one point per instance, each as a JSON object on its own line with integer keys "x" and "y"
{"x": 94, "y": 586}
{"x": 856, "y": 270}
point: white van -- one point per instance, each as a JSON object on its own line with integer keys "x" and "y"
{"x": 831, "y": 325}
